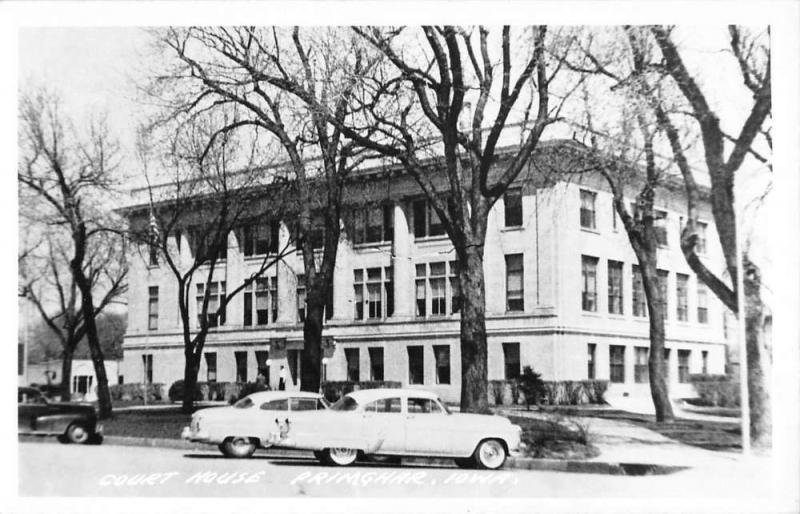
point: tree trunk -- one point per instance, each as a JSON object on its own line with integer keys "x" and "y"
{"x": 474, "y": 376}
{"x": 659, "y": 390}
{"x": 759, "y": 359}
{"x": 311, "y": 356}
{"x": 87, "y": 306}
{"x": 190, "y": 370}
{"x": 66, "y": 373}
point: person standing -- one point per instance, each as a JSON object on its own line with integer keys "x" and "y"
{"x": 282, "y": 379}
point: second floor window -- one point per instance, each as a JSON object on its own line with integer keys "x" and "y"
{"x": 260, "y": 306}
{"x": 589, "y": 275}
{"x": 515, "y": 279}
{"x": 588, "y": 199}
{"x": 702, "y": 303}
{"x": 434, "y": 291}
{"x": 615, "y": 287}
{"x": 682, "y": 288}
{"x": 426, "y": 221}
{"x": 374, "y": 293}
{"x": 700, "y": 245}
{"x": 372, "y": 224}
{"x": 639, "y": 299}
{"x": 216, "y": 293}
{"x": 660, "y": 227}
{"x": 512, "y": 201}
{"x": 260, "y": 239}
{"x": 152, "y": 308}
{"x": 301, "y": 298}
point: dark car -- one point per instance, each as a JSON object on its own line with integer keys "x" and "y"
{"x": 73, "y": 422}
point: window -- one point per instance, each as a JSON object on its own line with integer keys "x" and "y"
{"x": 616, "y": 360}
{"x": 384, "y": 406}
{"x": 351, "y": 356}
{"x": 511, "y": 360}
{"x": 512, "y": 201}
{"x": 442, "y": 356}
{"x": 590, "y": 358}
{"x": 152, "y": 248}
{"x": 615, "y": 287}
{"x": 701, "y": 228}
{"x": 426, "y": 221}
{"x": 589, "y": 274}
{"x": 263, "y": 302}
{"x": 296, "y": 404}
{"x": 660, "y": 227}
{"x": 147, "y": 368}
{"x": 587, "y": 209}
{"x": 683, "y": 365}
{"x": 663, "y": 292}
{"x": 372, "y": 224}
{"x": 641, "y": 373}
{"x": 639, "y": 299}
{"x": 211, "y": 367}
{"x": 705, "y": 362}
{"x": 515, "y": 301}
{"x": 260, "y": 238}
{"x": 273, "y": 297}
{"x": 282, "y": 404}
{"x": 682, "y": 288}
{"x": 241, "y": 366}
{"x": 301, "y": 298}
{"x": 434, "y": 289}
{"x": 416, "y": 365}
{"x": 455, "y": 288}
{"x": 702, "y": 302}
{"x": 214, "y": 316}
{"x": 152, "y": 309}
{"x": 375, "y": 363}
{"x": 373, "y": 293}
{"x": 208, "y": 244}
{"x": 20, "y": 359}
{"x": 667, "y": 353}
{"x": 613, "y": 215}
{"x": 262, "y": 356}
{"x": 423, "y": 406}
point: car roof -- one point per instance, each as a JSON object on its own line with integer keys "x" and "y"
{"x": 266, "y": 396}
{"x": 368, "y": 395}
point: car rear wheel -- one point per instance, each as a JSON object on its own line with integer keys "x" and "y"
{"x": 341, "y": 456}
{"x": 490, "y": 454}
{"x": 77, "y": 433}
{"x": 238, "y": 447}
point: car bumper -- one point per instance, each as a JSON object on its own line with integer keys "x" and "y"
{"x": 199, "y": 436}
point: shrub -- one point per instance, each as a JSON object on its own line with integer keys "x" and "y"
{"x": 497, "y": 388}
{"x": 595, "y": 391}
{"x": 532, "y": 386}
{"x": 574, "y": 392}
{"x": 176, "y": 391}
{"x": 515, "y": 392}
{"x": 134, "y": 391}
{"x": 716, "y": 390}
{"x": 250, "y": 388}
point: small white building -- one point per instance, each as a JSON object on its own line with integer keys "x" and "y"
{"x": 84, "y": 379}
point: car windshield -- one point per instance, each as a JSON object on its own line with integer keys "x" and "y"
{"x": 345, "y": 403}
{"x": 244, "y": 403}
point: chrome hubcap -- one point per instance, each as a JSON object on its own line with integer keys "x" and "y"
{"x": 343, "y": 455}
{"x": 78, "y": 433}
{"x": 492, "y": 454}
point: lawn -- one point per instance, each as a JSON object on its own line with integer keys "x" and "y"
{"x": 163, "y": 423}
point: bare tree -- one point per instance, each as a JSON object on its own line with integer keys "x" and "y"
{"x": 63, "y": 174}
{"x": 250, "y": 70}
{"x": 410, "y": 110}
{"x": 752, "y": 54}
{"x": 207, "y": 199}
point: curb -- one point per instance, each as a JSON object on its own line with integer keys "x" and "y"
{"x": 564, "y": 466}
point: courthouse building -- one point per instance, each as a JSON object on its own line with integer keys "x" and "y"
{"x": 563, "y": 295}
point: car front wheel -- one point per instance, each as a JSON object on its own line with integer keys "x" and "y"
{"x": 238, "y": 447}
{"x": 77, "y": 433}
{"x": 490, "y": 454}
{"x": 341, "y": 456}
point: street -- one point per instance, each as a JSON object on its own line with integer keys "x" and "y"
{"x": 51, "y": 469}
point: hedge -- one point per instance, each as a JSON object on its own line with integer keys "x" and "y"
{"x": 561, "y": 392}
{"x": 133, "y": 391}
{"x": 716, "y": 390}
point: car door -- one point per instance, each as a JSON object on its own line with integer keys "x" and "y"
{"x": 269, "y": 420}
{"x": 303, "y": 419}
{"x": 30, "y": 405}
{"x": 428, "y": 430}
{"x": 384, "y": 426}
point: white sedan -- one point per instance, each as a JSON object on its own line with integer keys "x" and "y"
{"x": 257, "y": 420}
{"x": 389, "y": 423}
